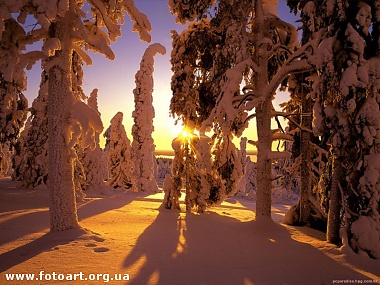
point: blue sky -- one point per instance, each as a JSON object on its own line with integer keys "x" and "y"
{"x": 115, "y": 80}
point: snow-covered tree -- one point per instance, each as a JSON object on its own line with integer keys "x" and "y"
{"x": 31, "y": 158}
{"x": 64, "y": 28}
{"x": 186, "y": 145}
{"x": 201, "y": 55}
{"x": 242, "y": 154}
{"x": 13, "y": 111}
{"x": 13, "y": 104}
{"x": 172, "y": 192}
{"x": 164, "y": 166}
{"x": 347, "y": 104}
{"x": 250, "y": 177}
{"x": 6, "y": 154}
{"x": 205, "y": 170}
{"x": 92, "y": 157}
{"x": 243, "y": 41}
{"x": 120, "y": 163}
{"x": 184, "y": 172}
{"x": 143, "y": 115}
{"x": 309, "y": 152}
{"x": 228, "y": 167}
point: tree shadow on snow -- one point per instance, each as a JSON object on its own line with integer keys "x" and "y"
{"x": 47, "y": 242}
{"x": 19, "y": 224}
{"x": 182, "y": 248}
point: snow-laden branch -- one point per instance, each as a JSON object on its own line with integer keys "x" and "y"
{"x": 141, "y": 23}
{"x": 83, "y": 55}
{"x": 85, "y": 122}
{"x": 111, "y": 25}
{"x": 300, "y": 66}
{"x": 280, "y": 24}
{"x": 224, "y": 110}
{"x": 28, "y": 59}
{"x": 300, "y": 61}
{"x": 282, "y": 136}
{"x": 95, "y": 39}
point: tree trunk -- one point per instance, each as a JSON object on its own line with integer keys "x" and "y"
{"x": 305, "y": 205}
{"x": 333, "y": 219}
{"x": 263, "y": 119}
{"x": 63, "y": 212}
{"x": 264, "y": 164}
{"x": 187, "y": 186}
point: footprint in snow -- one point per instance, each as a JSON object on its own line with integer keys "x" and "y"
{"x": 101, "y": 249}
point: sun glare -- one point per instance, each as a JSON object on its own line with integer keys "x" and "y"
{"x": 185, "y": 134}
{"x": 181, "y": 131}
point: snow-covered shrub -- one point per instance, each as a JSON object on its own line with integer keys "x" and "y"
{"x": 172, "y": 193}
{"x": 205, "y": 172}
{"x": 228, "y": 168}
{"x": 164, "y": 166}
{"x": 120, "y": 164}
{"x": 6, "y": 155}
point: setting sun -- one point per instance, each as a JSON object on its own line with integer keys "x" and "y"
{"x": 186, "y": 134}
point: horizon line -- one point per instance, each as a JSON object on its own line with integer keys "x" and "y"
{"x": 170, "y": 152}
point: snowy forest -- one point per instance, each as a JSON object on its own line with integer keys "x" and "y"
{"x": 320, "y": 150}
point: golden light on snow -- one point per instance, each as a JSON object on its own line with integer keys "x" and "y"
{"x": 139, "y": 264}
{"x": 181, "y": 227}
{"x": 154, "y": 278}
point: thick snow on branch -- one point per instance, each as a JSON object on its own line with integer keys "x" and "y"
{"x": 299, "y": 66}
{"x": 363, "y": 17}
{"x": 88, "y": 121}
{"x": 367, "y": 237}
{"x": 225, "y": 111}
{"x": 12, "y": 61}
{"x": 109, "y": 17}
{"x": 282, "y": 136}
{"x": 141, "y": 23}
{"x": 270, "y": 6}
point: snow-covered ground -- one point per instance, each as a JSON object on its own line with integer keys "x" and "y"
{"x": 130, "y": 233}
